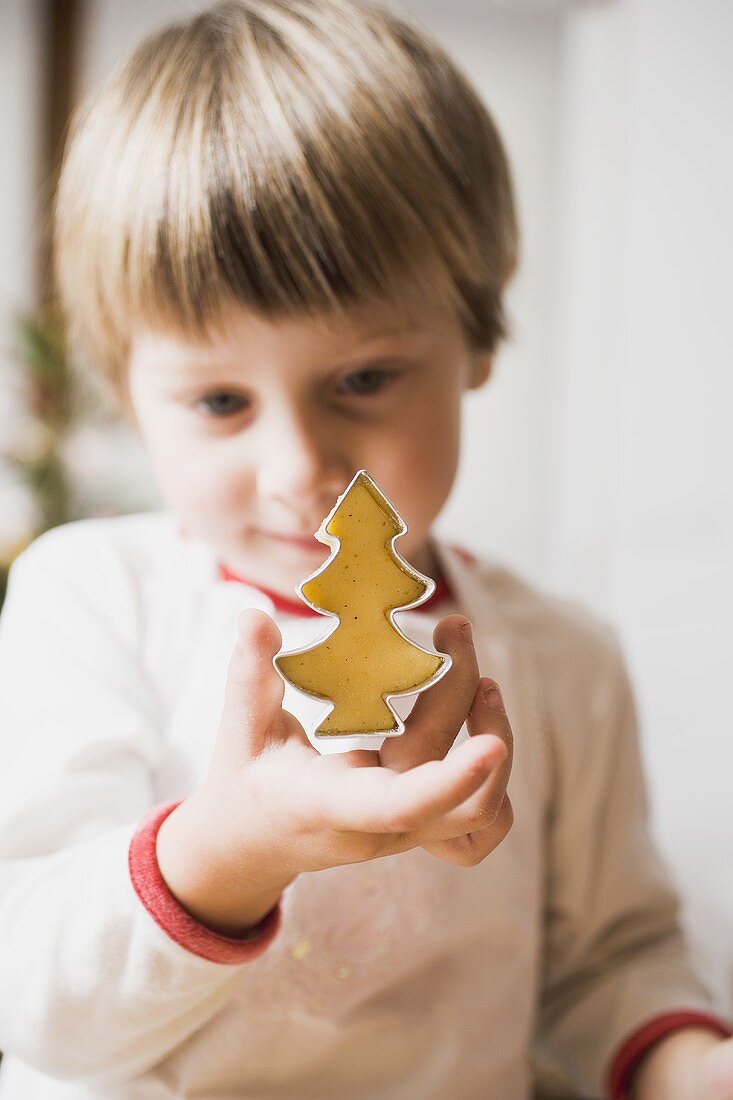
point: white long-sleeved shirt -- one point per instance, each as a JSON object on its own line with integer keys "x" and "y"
{"x": 403, "y": 978}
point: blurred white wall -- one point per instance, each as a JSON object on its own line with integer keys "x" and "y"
{"x": 598, "y": 460}
{"x": 18, "y": 150}
{"x": 19, "y": 141}
{"x": 642, "y": 457}
{"x": 499, "y": 504}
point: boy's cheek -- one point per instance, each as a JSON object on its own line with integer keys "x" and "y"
{"x": 423, "y": 477}
{"x": 218, "y": 505}
{"x": 194, "y": 489}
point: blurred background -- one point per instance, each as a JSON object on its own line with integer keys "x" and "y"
{"x": 598, "y": 462}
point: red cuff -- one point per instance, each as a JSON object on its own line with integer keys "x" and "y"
{"x": 176, "y": 921}
{"x": 639, "y": 1042}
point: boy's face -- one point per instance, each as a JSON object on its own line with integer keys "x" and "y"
{"x": 253, "y": 436}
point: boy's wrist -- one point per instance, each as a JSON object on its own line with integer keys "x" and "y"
{"x": 225, "y": 899}
{"x": 668, "y": 1071}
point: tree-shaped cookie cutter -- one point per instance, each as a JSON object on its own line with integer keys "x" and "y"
{"x": 362, "y": 478}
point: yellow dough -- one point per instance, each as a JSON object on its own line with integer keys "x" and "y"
{"x": 367, "y": 657}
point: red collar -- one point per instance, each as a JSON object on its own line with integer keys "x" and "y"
{"x": 441, "y": 592}
{"x": 297, "y": 607}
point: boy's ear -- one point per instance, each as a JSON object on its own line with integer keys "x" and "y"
{"x": 481, "y": 366}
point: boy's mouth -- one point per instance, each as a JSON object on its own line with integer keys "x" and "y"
{"x": 300, "y": 542}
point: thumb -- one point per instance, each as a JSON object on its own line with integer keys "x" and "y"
{"x": 254, "y": 691}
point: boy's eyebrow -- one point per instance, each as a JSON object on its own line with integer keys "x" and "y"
{"x": 356, "y": 351}
{"x": 369, "y": 337}
{"x": 210, "y": 362}
{"x": 396, "y": 330}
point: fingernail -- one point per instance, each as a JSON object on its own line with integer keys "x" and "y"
{"x": 496, "y": 810}
{"x": 466, "y": 631}
{"x": 492, "y": 695}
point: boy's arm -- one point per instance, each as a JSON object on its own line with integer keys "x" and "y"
{"x": 617, "y": 975}
{"x": 102, "y": 973}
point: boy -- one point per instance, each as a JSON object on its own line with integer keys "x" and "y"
{"x": 284, "y": 230}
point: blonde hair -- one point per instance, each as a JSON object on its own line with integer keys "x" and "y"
{"x": 291, "y": 156}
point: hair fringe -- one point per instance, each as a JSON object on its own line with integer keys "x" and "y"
{"x": 290, "y": 157}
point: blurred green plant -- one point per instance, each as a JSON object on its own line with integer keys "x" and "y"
{"x": 65, "y": 452}
{"x": 52, "y": 400}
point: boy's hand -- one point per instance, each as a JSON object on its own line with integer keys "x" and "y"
{"x": 271, "y": 806}
{"x": 714, "y": 1077}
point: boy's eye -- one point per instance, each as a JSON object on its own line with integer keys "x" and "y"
{"x": 361, "y": 383}
{"x": 222, "y": 404}
{"x": 368, "y": 381}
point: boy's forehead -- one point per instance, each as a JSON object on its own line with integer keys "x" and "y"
{"x": 354, "y": 324}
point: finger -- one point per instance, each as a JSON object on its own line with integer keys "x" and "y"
{"x": 469, "y": 849}
{"x": 481, "y": 808}
{"x": 254, "y": 690}
{"x": 383, "y": 801}
{"x": 488, "y": 715}
{"x": 438, "y": 714}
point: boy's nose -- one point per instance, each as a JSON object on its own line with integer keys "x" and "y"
{"x": 303, "y": 474}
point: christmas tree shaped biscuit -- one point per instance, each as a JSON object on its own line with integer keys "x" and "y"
{"x": 366, "y": 658}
